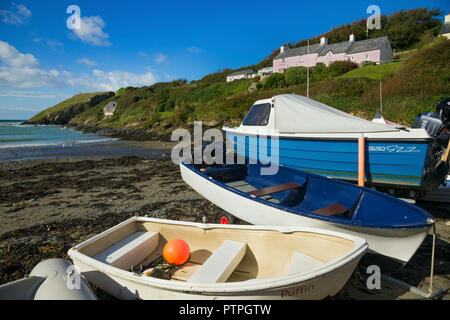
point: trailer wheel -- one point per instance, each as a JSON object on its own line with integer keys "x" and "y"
{"x": 226, "y": 218}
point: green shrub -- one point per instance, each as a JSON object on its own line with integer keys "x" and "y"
{"x": 295, "y": 75}
{"x": 318, "y": 72}
{"x": 183, "y": 112}
{"x": 119, "y": 92}
{"x": 337, "y": 68}
{"x": 275, "y": 80}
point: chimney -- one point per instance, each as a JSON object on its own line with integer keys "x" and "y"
{"x": 352, "y": 38}
{"x": 323, "y": 41}
{"x": 282, "y": 49}
{"x": 447, "y": 18}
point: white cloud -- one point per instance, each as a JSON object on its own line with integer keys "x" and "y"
{"x": 18, "y": 70}
{"x": 23, "y": 70}
{"x": 30, "y": 94}
{"x": 56, "y": 46}
{"x": 53, "y": 44}
{"x": 160, "y": 58}
{"x": 87, "y": 62}
{"x": 142, "y": 54}
{"x": 12, "y": 57}
{"x": 194, "y": 49}
{"x": 91, "y": 31}
{"x": 37, "y": 39}
{"x": 113, "y": 80}
{"x": 17, "y": 14}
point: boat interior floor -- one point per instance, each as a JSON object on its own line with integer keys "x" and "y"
{"x": 334, "y": 209}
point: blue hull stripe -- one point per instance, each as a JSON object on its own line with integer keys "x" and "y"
{"x": 386, "y": 162}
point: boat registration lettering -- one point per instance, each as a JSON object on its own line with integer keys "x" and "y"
{"x": 297, "y": 291}
{"x": 393, "y": 148}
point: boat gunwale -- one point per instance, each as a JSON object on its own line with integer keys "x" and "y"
{"x": 360, "y": 246}
{"x": 352, "y": 223}
{"x": 291, "y": 136}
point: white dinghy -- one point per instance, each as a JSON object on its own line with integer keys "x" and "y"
{"x": 226, "y": 261}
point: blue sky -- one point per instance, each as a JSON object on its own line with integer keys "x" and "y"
{"x": 121, "y": 43}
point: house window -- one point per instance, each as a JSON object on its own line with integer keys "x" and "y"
{"x": 282, "y": 60}
{"x": 301, "y": 58}
{"x": 329, "y": 55}
{"x": 367, "y": 57}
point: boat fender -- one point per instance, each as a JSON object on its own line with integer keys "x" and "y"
{"x": 62, "y": 282}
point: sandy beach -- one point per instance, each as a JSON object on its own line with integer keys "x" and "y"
{"x": 46, "y": 206}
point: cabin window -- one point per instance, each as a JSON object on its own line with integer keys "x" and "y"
{"x": 258, "y": 115}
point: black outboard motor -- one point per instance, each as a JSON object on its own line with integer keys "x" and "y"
{"x": 437, "y": 124}
{"x": 443, "y": 110}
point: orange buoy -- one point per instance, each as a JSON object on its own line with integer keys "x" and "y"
{"x": 176, "y": 252}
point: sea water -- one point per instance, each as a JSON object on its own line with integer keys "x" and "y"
{"x": 29, "y": 142}
{"x": 13, "y": 135}
{"x": 20, "y": 142}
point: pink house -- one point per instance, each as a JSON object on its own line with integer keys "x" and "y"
{"x": 375, "y": 50}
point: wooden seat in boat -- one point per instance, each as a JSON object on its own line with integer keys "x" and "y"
{"x": 303, "y": 263}
{"x": 274, "y": 189}
{"x": 130, "y": 251}
{"x": 331, "y": 210}
{"x": 221, "y": 264}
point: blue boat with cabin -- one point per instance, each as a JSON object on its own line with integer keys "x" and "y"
{"x": 303, "y": 134}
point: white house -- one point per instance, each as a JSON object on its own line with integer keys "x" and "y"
{"x": 242, "y": 74}
{"x": 445, "y": 30}
{"x": 109, "y": 109}
{"x": 265, "y": 71}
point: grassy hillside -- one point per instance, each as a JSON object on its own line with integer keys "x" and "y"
{"x": 376, "y": 72}
{"x": 161, "y": 103}
{"x": 62, "y": 112}
{"x": 425, "y": 74}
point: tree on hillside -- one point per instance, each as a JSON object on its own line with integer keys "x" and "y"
{"x": 404, "y": 28}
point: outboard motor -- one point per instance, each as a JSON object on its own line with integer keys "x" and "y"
{"x": 443, "y": 110}
{"x": 437, "y": 124}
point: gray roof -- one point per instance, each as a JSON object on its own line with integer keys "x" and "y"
{"x": 368, "y": 44}
{"x": 313, "y": 48}
{"x": 340, "y": 47}
{"x": 110, "y": 107}
{"x": 247, "y": 72}
{"x": 445, "y": 28}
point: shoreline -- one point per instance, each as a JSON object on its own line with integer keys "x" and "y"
{"x": 94, "y": 150}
